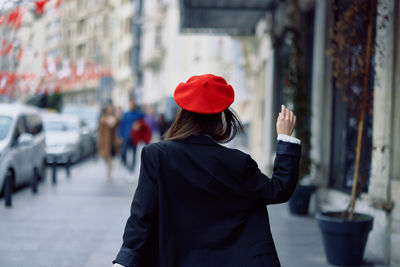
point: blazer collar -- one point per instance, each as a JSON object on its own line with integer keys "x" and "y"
{"x": 201, "y": 139}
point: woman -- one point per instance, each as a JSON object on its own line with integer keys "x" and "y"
{"x": 106, "y": 139}
{"x": 199, "y": 203}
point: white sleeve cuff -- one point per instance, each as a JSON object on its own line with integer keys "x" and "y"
{"x": 288, "y": 138}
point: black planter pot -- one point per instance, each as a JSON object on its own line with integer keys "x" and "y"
{"x": 344, "y": 240}
{"x": 300, "y": 200}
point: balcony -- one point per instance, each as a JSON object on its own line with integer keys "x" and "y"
{"x": 236, "y": 17}
{"x": 161, "y": 8}
{"x": 153, "y": 58}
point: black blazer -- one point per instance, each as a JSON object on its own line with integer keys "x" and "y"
{"x": 201, "y": 204}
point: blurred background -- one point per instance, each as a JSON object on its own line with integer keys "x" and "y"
{"x": 73, "y": 72}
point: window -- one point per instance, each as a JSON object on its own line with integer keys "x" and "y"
{"x": 67, "y": 34}
{"x": 294, "y": 81}
{"x": 19, "y": 129}
{"x": 5, "y": 124}
{"x": 105, "y": 24}
{"x": 128, "y": 26}
{"x": 345, "y": 114}
{"x": 81, "y": 26}
{"x": 81, "y": 50}
{"x": 158, "y": 37}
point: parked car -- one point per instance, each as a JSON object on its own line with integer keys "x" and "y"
{"x": 89, "y": 114}
{"x": 22, "y": 144}
{"x": 67, "y": 138}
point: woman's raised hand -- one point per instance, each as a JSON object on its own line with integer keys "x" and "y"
{"x": 285, "y": 122}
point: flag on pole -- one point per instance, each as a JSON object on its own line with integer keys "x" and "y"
{"x": 20, "y": 52}
{"x": 40, "y": 5}
{"x": 9, "y": 48}
{"x": 58, "y": 4}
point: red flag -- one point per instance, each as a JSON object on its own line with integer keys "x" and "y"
{"x": 9, "y": 48}
{"x": 58, "y": 4}
{"x": 3, "y": 47}
{"x": 40, "y": 6}
{"x": 2, "y": 18}
{"x": 20, "y": 52}
{"x": 13, "y": 16}
{"x": 11, "y": 78}
{"x": 19, "y": 17}
{"x": 45, "y": 64}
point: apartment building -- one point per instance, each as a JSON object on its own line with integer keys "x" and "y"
{"x": 87, "y": 39}
{"x": 122, "y": 50}
{"x": 53, "y": 32}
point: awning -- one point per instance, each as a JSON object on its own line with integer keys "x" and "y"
{"x": 237, "y": 17}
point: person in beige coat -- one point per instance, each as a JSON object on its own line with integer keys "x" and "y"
{"x": 106, "y": 141}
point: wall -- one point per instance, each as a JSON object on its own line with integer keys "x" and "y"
{"x": 395, "y": 155}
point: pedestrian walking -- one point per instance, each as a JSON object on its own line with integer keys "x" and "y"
{"x": 151, "y": 118}
{"x": 163, "y": 125}
{"x": 107, "y": 137}
{"x": 199, "y": 203}
{"x": 124, "y": 130}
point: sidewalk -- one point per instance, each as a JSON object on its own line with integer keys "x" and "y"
{"x": 297, "y": 239}
{"x": 80, "y": 222}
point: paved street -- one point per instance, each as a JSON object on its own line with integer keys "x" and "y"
{"x": 80, "y": 221}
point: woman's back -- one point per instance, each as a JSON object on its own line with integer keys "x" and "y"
{"x": 206, "y": 204}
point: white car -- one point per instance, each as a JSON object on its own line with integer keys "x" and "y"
{"x": 67, "y": 138}
{"x": 90, "y": 116}
{"x": 22, "y": 144}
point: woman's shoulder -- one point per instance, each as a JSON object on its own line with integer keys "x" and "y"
{"x": 163, "y": 146}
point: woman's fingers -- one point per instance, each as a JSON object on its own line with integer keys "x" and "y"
{"x": 286, "y": 121}
{"x": 286, "y": 114}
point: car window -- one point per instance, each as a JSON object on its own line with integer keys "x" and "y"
{"x": 65, "y": 126}
{"x": 89, "y": 114}
{"x": 19, "y": 128}
{"x": 5, "y": 124}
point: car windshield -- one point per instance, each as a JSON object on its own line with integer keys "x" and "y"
{"x": 57, "y": 126}
{"x": 88, "y": 114}
{"x": 5, "y": 123}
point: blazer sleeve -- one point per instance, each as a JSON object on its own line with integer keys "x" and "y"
{"x": 137, "y": 237}
{"x": 280, "y": 187}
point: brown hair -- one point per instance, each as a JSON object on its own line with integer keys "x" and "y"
{"x": 222, "y": 127}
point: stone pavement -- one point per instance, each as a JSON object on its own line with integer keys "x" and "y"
{"x": 79, "y": 223}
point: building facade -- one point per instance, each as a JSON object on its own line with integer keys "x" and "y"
{"x": 87, "y": 39}
{"x": 121, "y": 50}
{"x": 332, "y": 125}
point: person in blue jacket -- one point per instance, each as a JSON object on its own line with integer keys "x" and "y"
{"x": 124, "y": 129}
{"x": 199, "y": 203}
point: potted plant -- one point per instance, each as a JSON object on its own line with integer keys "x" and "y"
{"x": 345, "y": 233}
{"x": 295, "y": 95}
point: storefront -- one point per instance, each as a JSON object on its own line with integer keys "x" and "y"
{"x": 333, "y": 120}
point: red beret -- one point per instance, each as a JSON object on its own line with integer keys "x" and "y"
{"x": 206, "y": 94}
